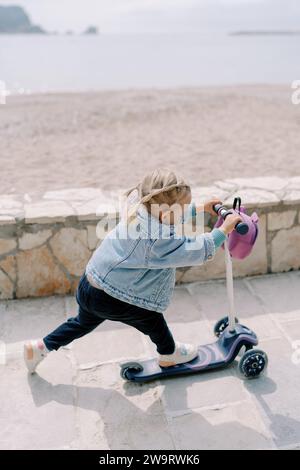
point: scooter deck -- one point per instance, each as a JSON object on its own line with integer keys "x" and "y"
{"x": 210, "y": 356}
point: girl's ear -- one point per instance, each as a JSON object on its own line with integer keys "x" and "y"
{"x": 164, "y": 216}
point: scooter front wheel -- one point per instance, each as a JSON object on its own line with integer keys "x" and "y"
{"x": 253, "y": 363}
{"x": 221, "y": 325}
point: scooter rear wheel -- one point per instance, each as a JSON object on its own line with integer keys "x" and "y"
{"x": 253, "y": 363}
{"x": 129, "y": 368}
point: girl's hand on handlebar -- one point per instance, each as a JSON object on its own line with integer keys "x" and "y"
{"x": 209, "y": 205}
{"x": 229, "y": 223}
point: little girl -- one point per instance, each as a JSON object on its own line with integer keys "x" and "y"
{"x": 131, "y": 275}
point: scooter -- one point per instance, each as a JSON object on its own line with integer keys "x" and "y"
{"x": 232, "y": 338}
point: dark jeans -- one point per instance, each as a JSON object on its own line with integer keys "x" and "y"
{"x": 95, "y": 306}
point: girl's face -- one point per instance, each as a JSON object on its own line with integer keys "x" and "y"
{"x": 176, "y": 212}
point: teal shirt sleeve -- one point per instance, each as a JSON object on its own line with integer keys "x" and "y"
{"x": 218, "y": 237}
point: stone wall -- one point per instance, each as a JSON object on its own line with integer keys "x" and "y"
{"x": 46, "y": 240}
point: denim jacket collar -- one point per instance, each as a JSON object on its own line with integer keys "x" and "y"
{"x": 151, "y": 226}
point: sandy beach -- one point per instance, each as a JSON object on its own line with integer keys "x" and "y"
{"x": 110, "y": 139}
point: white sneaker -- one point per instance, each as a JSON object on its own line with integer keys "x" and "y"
{"x": 34, "y": 352}
{"x": 183, "y": 353}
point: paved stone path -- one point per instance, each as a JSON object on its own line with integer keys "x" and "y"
{"x": 78, "y": 400}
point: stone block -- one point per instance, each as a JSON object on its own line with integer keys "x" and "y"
{"x": 70, "y": 246}
{"x": 8, "y": 265}
{"x": 38, "y": 275}
{"x": 7, "y": 245}
{"x": 93, "y": 240}
{"x": 6, "y": 287}
{"x": 285, "y": 250}
{"x": 32, "y": 240}
{"x": 281, "y": 220}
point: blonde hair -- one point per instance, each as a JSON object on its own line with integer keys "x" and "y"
{"x": 162, "y": 186}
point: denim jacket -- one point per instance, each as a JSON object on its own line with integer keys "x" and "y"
{"x": 137, "y": 264}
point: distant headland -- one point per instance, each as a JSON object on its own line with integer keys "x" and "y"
{"x": 15, "y": 20}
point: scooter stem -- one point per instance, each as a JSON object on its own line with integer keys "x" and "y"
{"x": 229, "y": 285}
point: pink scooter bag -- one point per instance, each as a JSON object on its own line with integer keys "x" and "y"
{"x": 240, "y": 246}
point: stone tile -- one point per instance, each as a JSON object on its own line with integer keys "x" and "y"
{"x": 7, "y": 220}
{"x": 294, "y": 182}
{"x": 291, "y": 197}
{"x": 283, "y": 252}
{"x": 45, "y": 212}
{"x": 211, "y": 299}
{"x": 267, "y": 183}
{"x": 291, "y": 316}
{"x": 86, "y": 211}
{"x": 37, "y": 410}
{"x": 264, "y": 326}
{"x": 231, "y": 427}
{"x": 38, "y": 275}
{"x": 203, "y": 390}
{"x": 69, "y": 245}
{"x": 30, "y": 318}
{"x": 292, "y": 329}
{"x": 93, "y": 209}
{"x": 279, "y": 293}
{"x": 255, "y": 198}
{"x": 277, "y": 394}
{"x": 113, "y": 414}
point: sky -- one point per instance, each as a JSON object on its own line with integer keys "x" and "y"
{"x": 117, "y": 16}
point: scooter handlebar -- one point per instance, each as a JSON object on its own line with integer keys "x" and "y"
{"x": 222, "y": 211}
